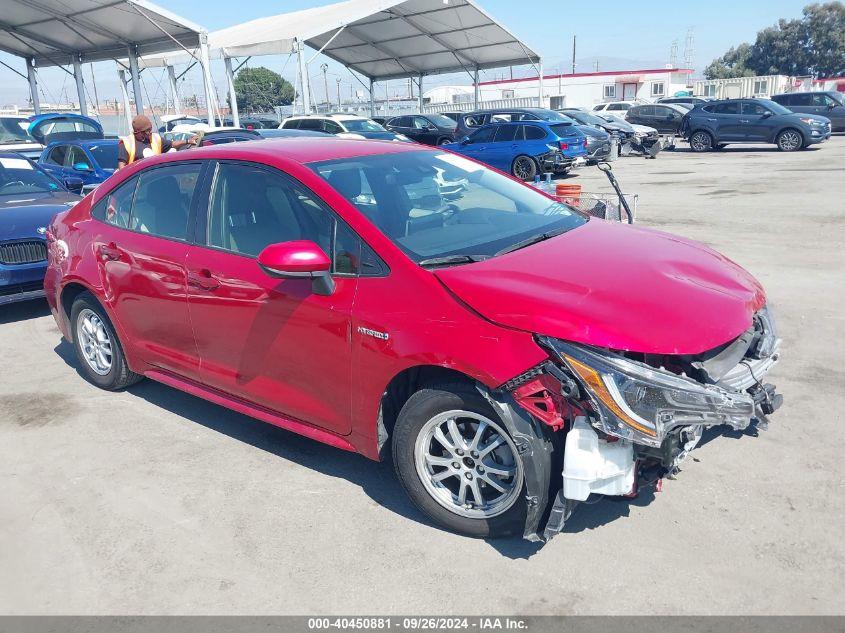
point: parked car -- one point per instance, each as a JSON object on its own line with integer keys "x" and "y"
{"x": 170, "y": 121}
{"x": 343, "y": 125}
{"x": 253, "y": 123}
{"x": 63, "y": 126}
{"x": 29, "y": 198}
{"x": 469, "y": 121}
{"x": 92, "y": 161}
{"x": 280, "y": 133}
{"x": 495, "y": 347}
{"x": 455, "y": 116}
{"x": 685, "y": 101}
{"x": 430, "y": 129}
{"x": 635, "y": 134}
{"x": 829, "y": 104}
{"x": 219, "y": 136}
{"x": 665, "y": 118}
{"x": 719, "y": 123}
{"x": 615, "y": 107}
{"x": 597, "y": 144}
{"x": 15, "y": 137}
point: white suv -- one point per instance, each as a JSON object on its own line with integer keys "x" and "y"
{"x": 343, "y": 125}
{"x": 619, "y": 108}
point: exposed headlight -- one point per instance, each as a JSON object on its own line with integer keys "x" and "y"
{"x": 810, "y": 121}
{"x": 640, "y": 403}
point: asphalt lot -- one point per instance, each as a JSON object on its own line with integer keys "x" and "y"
{"x": 154, "y": 502}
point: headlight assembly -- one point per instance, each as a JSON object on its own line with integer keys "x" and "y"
{"x": 640, "y": 403}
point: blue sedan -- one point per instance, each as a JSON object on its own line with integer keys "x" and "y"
{"x": 29, "y": 198}
{"x": 92, "y": 160}
{"x": 525, "y": 148}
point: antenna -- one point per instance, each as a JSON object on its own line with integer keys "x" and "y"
{"x": 689, "y": 48}
{"x": 673, "y": 55}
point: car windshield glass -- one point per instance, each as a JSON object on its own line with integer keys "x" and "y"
{"x": 774, "y": 107}
{"x": 12, "y": 132}
{"x": 362, "y": 125}
{"x": 105, "y": 155}
{"x": 435, "y": 205}
{"x": 20, "y": 176}
{"x": 838, "y": 98}
{"x": 586, "y": 119}
{"x": 442, "y": 121}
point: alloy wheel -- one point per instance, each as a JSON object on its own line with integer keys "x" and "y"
{"x": 701, "y": 141}
{"x": 790, "y": 140}
{"x": 523, "y": 168}
{"x": 468, "y": 464}
{"x": 94, "y": 341}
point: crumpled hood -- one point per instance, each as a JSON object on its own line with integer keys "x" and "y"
{"x": 616, "y": 286}
{"x": 22, "y": 215}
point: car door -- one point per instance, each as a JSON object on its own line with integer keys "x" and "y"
{"x": 272, "y": 342}
{"x": 505, "y": 146}
{"x": 479, "y": 142}
{"x": 54, "y": 161}
{"x": 757, "y": 122}
{"x": 641, "y": 115}
{"x": 835, "y": 111}
{"x": 667, "y": 120}
{"x": 78, "y": 164}
{"x": 141, "y": 242}
{"x": 726, "y": 121}
{"x": 424, "y": 131}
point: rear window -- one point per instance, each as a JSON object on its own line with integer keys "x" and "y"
{"x": 291, "y": 124}
{"x": 562, "y": 130}
{"x": 534, "y": 133}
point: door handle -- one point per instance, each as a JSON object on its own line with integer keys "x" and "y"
{"x": 109, "y": 252}
{"x": 203, "y": 279}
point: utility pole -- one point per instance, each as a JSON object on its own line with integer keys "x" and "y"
{"x": 337, "y": 79}
{"x": 574, "y": 38}
{"x": 325, "y": 67}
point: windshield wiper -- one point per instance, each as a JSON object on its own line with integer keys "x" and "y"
{"x": 451, "y": 259}
{"x": 532, "y": 240}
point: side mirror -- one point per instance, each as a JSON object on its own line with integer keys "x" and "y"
{"x": 299, "y": 259}
{"x": 767, "y": 114}
{"x": 465, "y": 140}
{"x": 73, "y": 184}
{"x": 82, "y": 167}
{"x": 830, "y": 106}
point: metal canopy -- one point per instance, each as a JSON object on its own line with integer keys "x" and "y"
{"x": 380, "y": 39}
{"x": 61, "y": 32}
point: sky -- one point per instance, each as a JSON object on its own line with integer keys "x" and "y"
{"x": 619, "y": 35}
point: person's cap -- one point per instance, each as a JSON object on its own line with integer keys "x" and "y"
{"x": 141, "y": 123}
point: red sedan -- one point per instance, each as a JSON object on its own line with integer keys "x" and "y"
{"x": 514, "y": 355}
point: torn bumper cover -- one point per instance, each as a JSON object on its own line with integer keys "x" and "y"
{"x": 631, "y": 419}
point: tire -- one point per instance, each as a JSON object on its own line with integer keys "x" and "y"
{"x": 524, "y": 168}
{"x": 96, "y": 342}
{"x": 444, "y": 141}
{"x": 789, "y": 140}
{"x": 416, "y": 447}
{"x": 701, "y": 141}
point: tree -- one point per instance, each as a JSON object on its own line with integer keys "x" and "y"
{"x": 261, "y": 90}
{"x": 813, "y": 45}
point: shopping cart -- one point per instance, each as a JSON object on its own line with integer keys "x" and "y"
{"x": 607, "y": 206}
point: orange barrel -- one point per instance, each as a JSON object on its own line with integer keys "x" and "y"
{"x": 567, "y": 193}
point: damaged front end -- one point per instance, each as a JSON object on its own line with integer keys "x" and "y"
{"x": 625, "y": 420}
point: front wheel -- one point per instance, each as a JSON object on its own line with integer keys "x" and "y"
{"x": 444, "y": 141}
{"x": 524, "y": 168}
{"x": 701, "y": 142}
{"x": 98, "y": 349}
{"x": 789, "y": 140}
{"x": 458, "y": 464}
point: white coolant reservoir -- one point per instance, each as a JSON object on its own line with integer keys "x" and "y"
{"x": 592, "y": 465}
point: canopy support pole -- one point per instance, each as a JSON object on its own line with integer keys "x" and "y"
{"x": 33, "y": 85}
{"x": 80, "y": 85}
{"x": 174, "y": 93}
{"x": 233, "y": 97}
{"x": 208, "y": 86}
{"x": 420, "y": 95}
{"x": 303, "y": 78}
{"x": 477, "y": 89}
{"x": 121, "y": 76}
{"x": 136, "y": 80}
{"x": 372, "y": 98}
{"x": 541, "y": 96}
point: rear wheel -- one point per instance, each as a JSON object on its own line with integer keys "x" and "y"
{"x": 789, "y": 140}
{"x": 444, "y": 141}
{"x": 458, "y": 464}
{"x": 98, "y": 349}
{"x": 701, "y": 141}
{"x": 524, "y": 168}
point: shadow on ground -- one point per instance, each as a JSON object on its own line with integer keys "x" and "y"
{"x": 14, "y": 312}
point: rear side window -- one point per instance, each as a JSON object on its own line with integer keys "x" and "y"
{"x": 474, "y": 120}
{"x": 642, "y": 111}
{"x": 311, "y": 124}
{"x": 291, "y": 124}
{"x": 57, "y": 155}
{"x": 751, "y": 108}
{"x": 331, "y": 127}
{"x": 732, "y": 107}
{"x": 801, "y": 100}
{"x": 509, "y": 133}
{"x": 163, "y": 200}
{"x": 618, "y": 106}
{"x": 782, "y": 99}
{"x": 116, "y": 207}
{"x": 534, "y": 133}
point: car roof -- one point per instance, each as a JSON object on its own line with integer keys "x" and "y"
{"x": 336, "y": 117}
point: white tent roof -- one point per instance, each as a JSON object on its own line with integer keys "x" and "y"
{"x": 55, "y": 31}
{"x": 381, "y": 39}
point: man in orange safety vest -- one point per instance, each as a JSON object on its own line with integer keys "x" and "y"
{"x": 143, "y": 143}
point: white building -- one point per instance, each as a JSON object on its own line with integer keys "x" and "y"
{"x": 572, "y": 90}
{"x": 746, "y": 87}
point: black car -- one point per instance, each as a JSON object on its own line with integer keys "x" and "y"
{"x": 469, "y": 121}
{"x": 690, "y": 101}
{"x": 718, "y": 123}
{"x": 253, "y": 123}
{"x": 431, "y": 129}
{"x": 218, "y": 137}
{"x": 666, "y": 118}
{"x": 618, "y": 128}
{"x": 830, "y": 104}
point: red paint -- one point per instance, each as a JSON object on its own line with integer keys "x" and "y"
{"x": 300, "y": 256}
{"x": 216, "y": 325}
{"x": 604, "y": 73}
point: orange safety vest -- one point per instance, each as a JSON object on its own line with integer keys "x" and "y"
{"x": 129, "y": 144}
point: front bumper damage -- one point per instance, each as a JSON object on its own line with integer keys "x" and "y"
{"x": 559, "y": 418}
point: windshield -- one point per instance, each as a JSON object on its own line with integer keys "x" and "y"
{"x": 774, "y": 107}
{"x": 442, "y": 121}
{"x": 438, "y": 205}
{"x": 362, "y": 125}
{"x": 587, "y": 119}
{"x": 20, "y": 176}
{"x": 11, "y": 131}
{"x": 105, "y": 155}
